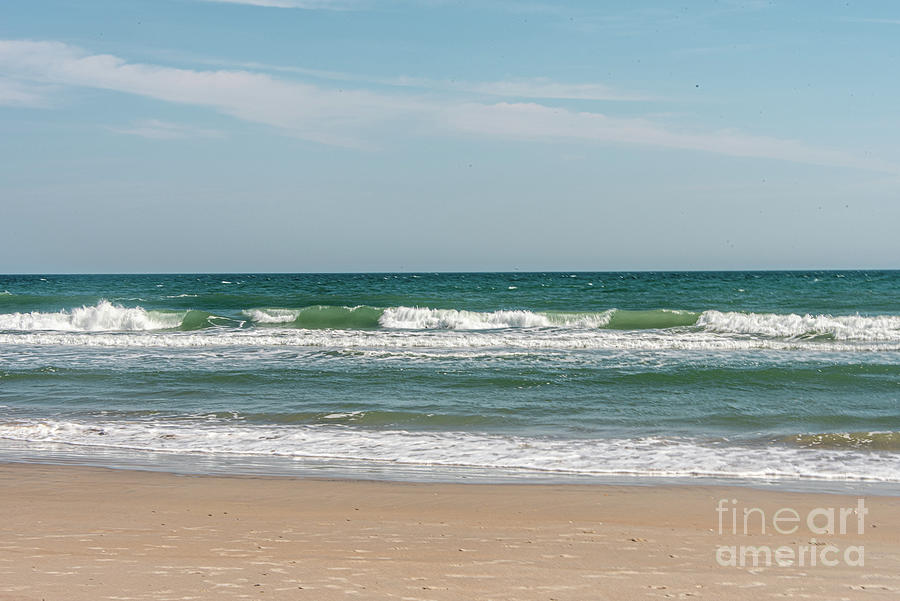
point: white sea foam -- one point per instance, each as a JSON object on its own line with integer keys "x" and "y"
{"x": 271, "y": 315}
{"x": 418, "y": 318}
{"x": 648, "y": 456}
{"x": 350, "y": 414}
{"x": 511, "y": 339}
{"x": 104, "y": 316}
{"x": 843, "y": 327}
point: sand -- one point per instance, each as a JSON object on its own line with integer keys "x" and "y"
{"x": 71, "y": 533}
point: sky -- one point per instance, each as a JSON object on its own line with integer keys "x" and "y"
{"x": 431, "y": 135}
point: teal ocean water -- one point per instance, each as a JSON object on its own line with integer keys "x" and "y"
{"x": 746, "y": 377}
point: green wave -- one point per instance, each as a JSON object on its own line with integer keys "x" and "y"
{"x": 367, "y": 317}
{"x": 323, "y": 316}
{"x": 651, "y": 320}
{"x": 317, "y": 317}
{"x": 197, "y": 320}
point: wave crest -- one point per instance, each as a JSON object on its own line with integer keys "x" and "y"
{"x": 844, "y": 327}
{"x": 423, "y": 318}
{"x": 104, "y": 316}
{"x": 108, "y": 317}
{"x": 318, "y": 317}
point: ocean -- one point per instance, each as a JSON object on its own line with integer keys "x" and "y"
{"x": 760, "y": 378}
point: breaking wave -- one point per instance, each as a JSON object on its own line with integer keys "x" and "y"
{"x": 844, "y": 327}
{"x": 416, "y": 318}
{"x": 318, "y": 317}
{"x": 108, "y": 317}
{"x": 425, "y": 318}
{"x": 512, "y": 339}
{"x": 644, "y": 456}
{"x": 685, "y": 325}
{"x": 104, "y": 316}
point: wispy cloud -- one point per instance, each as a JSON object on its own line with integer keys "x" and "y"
{"x": 872, "y": 20}
{"x": 304, "y": 4}
{"x": 546, "y": 88}
{"x": 535, "y": 121}
{"x": 18, "y": 93}
{"x": 330, "y": 116}
{"x": 643, "y": 18}
{"x": 514, "y": 6}
{"x": 363, "y": 117}
{"x": 155, "y": 129}
{"x": 524, "y": 87}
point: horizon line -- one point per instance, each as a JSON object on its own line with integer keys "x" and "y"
{"x": 458, "y": 272}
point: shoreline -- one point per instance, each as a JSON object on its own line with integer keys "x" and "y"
{"x": 76, "y": 533}
{"x": 340, "y": 470}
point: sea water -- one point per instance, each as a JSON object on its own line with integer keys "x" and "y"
{"x": 742, "y": 377}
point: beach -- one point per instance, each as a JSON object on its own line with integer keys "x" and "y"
{"x": 449, "y": 301}
{"x": 84, "y": 533}
{"x": 535, "y": 436}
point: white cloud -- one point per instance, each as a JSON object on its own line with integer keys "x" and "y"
{"x": 510, "y": 5}
{"x": 360, "y": 118}
{"x": 536, "y": 121}
{"x": 540, "y": 87}
{"x": 18, "y": 93}
{"x": 305, "y": 4}
{"x": 331, "y": 116}
{"x": 165, "y": 130}
{"x": 534, "y": 87}
{"x": 872, "y": 20}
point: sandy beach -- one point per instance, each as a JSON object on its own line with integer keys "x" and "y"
{"x": 71, "y": 533}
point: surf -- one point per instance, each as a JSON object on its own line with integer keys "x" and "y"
{"x": 655, "y": 456}
{"x": 842, "y": 327}
{"x": 674, "y": 324}
{"x": 108, "y": 317}
{"x": 104, "y": 316}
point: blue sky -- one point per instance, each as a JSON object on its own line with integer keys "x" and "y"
{"x": 370, "y": 135}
